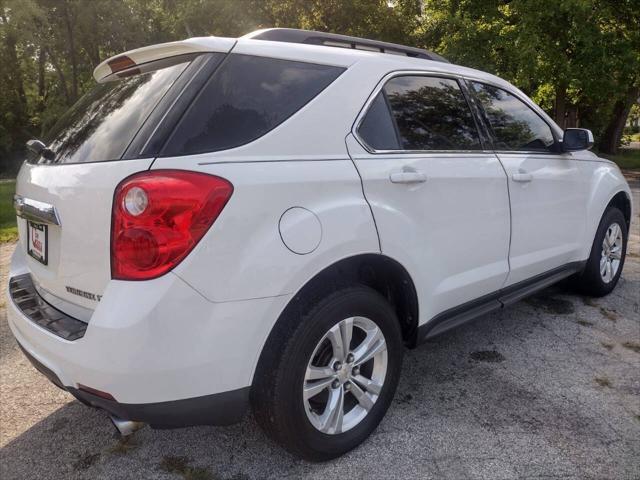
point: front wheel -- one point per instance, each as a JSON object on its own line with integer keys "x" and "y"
{"x": 327, "y": 378}
{"x": 604, "y": 266}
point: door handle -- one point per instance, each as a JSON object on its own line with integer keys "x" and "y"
{"x": 408, "y": 177}
{"x": 522, "y": 177}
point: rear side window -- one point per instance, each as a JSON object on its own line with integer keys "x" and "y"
{"x": 515, "y": 126}
{"x": 103, "y": 122}
{"x": 427, "y": 113}
{"x": 377, "y": 128}
{"x": 245, "y": 98}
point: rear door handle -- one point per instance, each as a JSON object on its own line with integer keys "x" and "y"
{"x": 407, "y": 177}
{"x": 522, "y": 177}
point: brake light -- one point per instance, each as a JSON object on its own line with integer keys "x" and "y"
{"x": 159, "y": 216}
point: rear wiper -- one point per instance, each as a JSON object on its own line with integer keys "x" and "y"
{"x": 39, "y": 148}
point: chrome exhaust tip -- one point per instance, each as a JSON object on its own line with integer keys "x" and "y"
{"x": 125, "y": 427}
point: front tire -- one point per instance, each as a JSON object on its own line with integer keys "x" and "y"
{"x": 608, "y": 252}
{"x": 328, "y": 373}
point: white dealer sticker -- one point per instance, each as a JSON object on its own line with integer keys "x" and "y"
{"x": 37, "y": 241}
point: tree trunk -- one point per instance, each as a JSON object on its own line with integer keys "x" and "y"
{"x": 561, "y": 105}
{"x": 42, "y": 58}
{"x": 613, "y": 133}
{"x": 13, "y": 68}
{"x": 72, "y": 52}
{"x": 61, "y": 77}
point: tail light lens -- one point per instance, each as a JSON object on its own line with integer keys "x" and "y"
{"x": 159, "y": 216}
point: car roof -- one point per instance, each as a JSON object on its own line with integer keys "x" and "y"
{"x": 260, "y": 43}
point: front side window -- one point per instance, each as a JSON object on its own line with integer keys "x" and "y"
{"x": 246, "y": 97}
{"x": 515, "y": 126}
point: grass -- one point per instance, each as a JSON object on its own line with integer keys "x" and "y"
{"x": 8, "y": 228}
{"x": 627, "y": 159}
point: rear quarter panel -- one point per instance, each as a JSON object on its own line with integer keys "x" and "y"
{"x": 243, "y": 255}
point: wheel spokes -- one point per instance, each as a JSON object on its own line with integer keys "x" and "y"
{"x": 318, "y": 373}
{"x": 363, "y": 399}
{"x": 372, "y": 345}
{"x": 337, "y": 343}
{"x": 603, "y": 266}
{"x": 331, "y": 419}
{"x": 369, "y": 385}
{"x": 312, "y": 389}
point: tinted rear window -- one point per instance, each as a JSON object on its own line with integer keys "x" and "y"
{"x": 103, "y": 122}
{"x": 431, "y": 113}
{"x": 246, "y": 97}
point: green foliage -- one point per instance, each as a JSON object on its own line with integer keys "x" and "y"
{"x": 8, "y": 229}
{"x": 627, "y": 159}
{"x": 579, "y": 59}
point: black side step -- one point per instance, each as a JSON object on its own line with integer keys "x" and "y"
{"x": 474, "y": 309}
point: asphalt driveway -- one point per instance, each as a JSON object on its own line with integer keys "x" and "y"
{"x": 547, "y": 388}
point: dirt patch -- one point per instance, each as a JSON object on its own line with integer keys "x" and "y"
{"x": 124, "y": 445}
{"x": 405, "y": 398}
{"x": 489, "y": 356}
{"x": 85, "y": 461}
{"x": 603, "y": 382}
{"x": 180, "y": 465}
{"x": 584, "y": 323}
{"x": 553, "y": 305}
{"x": 609, "y": 314}
{"x": 634, "y": 346}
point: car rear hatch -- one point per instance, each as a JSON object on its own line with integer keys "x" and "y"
{"x": 64, "y": 192}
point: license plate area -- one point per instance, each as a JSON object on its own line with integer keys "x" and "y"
{"x": 37, "y": 240}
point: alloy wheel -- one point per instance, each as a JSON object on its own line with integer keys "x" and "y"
{"x": 345, "y": 375}
{"x": 611, "y": 253}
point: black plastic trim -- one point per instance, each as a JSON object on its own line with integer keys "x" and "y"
{"x": 153, "y": 134}
{"x": 224, "y": 408}
{"x": 474, "y": 309}
{"x": 25, "y": 296}
{"x": 53, "y": 378}
{"x": 310, "y": 37}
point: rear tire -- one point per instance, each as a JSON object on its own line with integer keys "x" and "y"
{"x": 302, "y": 352}
{"x": 608, "y": 252}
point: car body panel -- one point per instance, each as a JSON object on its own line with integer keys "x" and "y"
{"x": 548, "y": 212}
{"x": 451, "y": 232}
{"x": 78, "y": 248}
{"x": 246, "y": 256}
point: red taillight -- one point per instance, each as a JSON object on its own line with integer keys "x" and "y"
{"x": 159, "y": 216}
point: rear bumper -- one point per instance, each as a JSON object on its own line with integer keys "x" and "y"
{"x": 167, "y": 355}
{"x": 224, "y": 408}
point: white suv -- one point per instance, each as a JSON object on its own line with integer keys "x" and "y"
{"x": 270, "y": 220}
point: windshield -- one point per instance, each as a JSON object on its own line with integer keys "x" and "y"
{"x": 103, "y": 122}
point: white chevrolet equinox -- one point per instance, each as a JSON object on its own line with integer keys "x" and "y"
{"x": 269, "y": 221}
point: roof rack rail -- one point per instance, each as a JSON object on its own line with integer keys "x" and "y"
{"x": 310, "y": 37}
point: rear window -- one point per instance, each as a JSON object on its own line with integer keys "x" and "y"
{"x": 103, "y": 122}
{"x": 245, "y": 98}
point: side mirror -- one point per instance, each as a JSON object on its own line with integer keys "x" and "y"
{"x": 577, "y": 139}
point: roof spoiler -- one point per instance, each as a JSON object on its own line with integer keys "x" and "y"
{"x": 310, "y": 37}
{"x": 143, "y": 55}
